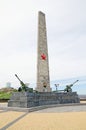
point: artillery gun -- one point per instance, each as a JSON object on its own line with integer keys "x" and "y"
{"x": 23, "y": 86}
{"x": 69, "y": 87}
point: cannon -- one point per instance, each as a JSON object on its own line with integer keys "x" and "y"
{"x": 23, "y": 86}
{"x": 69, "y": 87}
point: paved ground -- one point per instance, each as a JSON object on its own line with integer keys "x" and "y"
{"x": 57, "y": 118}
{"x": 63, "y": 109}
{"x": 3, "y": 104}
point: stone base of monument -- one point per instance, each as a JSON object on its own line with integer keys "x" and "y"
{"x": 27, "y": 100}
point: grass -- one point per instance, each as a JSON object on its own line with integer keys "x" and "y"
{"x": 5, "y": 95}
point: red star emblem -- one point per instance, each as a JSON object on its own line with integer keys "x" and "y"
{"x": 43, "y": 56}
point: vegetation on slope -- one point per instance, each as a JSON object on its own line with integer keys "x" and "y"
{"x": 5, "y": 93}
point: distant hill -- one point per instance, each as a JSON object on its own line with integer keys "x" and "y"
{"x": 7, "y": 89}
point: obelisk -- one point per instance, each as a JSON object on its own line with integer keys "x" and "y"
{"x": 43, "y": 79}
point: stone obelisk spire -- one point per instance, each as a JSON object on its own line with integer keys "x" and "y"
{"x": 43, "y": 79}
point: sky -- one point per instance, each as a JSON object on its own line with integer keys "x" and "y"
{"x": 66, "y": 38}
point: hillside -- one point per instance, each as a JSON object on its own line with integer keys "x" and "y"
{"x": 5, "y": 93}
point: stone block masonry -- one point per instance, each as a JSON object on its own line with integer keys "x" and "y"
{"x": 27, "y": 100}
{"x": 43, "y": 78}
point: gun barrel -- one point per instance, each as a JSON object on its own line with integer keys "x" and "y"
{"x": 21, "y": 82}
{"x": 75, "y": 81}
{"x": 17, "y": 77}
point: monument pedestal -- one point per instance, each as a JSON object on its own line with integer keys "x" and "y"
{"x": 27, "y": 100}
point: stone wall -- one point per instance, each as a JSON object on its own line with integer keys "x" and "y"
{"x": 26, "y": 99}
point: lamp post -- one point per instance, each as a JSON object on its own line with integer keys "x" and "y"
{"x": 56, "y": 85}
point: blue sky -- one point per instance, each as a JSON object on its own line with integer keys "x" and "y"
{"x": 66, "y": 35}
